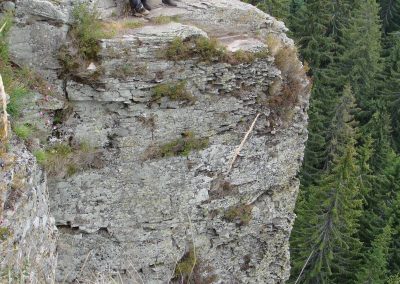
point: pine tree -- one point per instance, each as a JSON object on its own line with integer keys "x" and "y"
{"x": 324, "y": 243}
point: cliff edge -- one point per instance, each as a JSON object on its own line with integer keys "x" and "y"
{"x": 190, "y": 125}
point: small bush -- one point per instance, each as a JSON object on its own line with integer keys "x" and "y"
{"x": 192, "y": 269}
{"x": 177, "y": 50}
{"x": 7, "y": 21}
{"x": 175, "y": 92}
{"x": 240, "y": 214}
{"x": 18, "y": 182}
{"x": 179, "y": 147}
{"x": 41, "y": 157}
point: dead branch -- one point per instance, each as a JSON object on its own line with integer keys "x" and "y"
{"x": 241, "y": 145}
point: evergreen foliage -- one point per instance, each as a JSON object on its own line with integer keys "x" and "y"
{"x": 374, "y": 271}
{"x": 347, "y": 228}
{"x": 277, "y": 8}
{"x": 361, "y": 58}
{"x": 390, "y": 15}
{"x": 350, "y": 179}
{"x": 327, "y": 221}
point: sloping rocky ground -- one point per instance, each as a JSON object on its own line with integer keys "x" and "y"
{"x": 164, "y": 202}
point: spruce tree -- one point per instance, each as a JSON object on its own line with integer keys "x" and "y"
{"x": 324, "y": 243}
{"x": 317, "y": 33}
{"x": 394, "y": 252}
{"x": 390, "y": 15}
{"x": 379, "y": 193}
{"x": 389, "y": 84}
{"x": 361, "y": 58}
{"x": 374, "y": 270}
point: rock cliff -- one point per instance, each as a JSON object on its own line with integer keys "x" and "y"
{"x": 196, "y": 123}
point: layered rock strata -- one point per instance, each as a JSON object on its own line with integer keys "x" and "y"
{"x": 160, "y": 200}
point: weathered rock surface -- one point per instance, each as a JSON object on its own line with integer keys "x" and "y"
{"x": 27, "y": 230}
{"x": 138, "y": 216}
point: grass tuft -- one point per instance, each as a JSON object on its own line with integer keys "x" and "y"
{"x": 208, "y": 50}
{"x": 284, "y": 92}
{"x": 175, "y": 92}
{"x": 184, "y": 268}
{"x": 23, "y": 131}
{"x": 240, "y": 214}
{"x": 62, "y": 160}
{"x": 112, "y": 28}
{"x": 87, "y": 30}
{"x": 178, "y": 147}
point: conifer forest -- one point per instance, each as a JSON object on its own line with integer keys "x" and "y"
{"x": 347, "y": 228}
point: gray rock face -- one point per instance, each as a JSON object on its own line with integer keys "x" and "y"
{"x": 138, "y": 217}
{"x": 27, "y": 230}
{"x": 8, "y": 6}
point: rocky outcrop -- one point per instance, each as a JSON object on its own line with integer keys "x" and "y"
{"x": 166, "y": 197}
{"x": 27, "y": 230}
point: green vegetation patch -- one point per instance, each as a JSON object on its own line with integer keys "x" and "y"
{"x": 62, "y": 160}
{"x": 184, "y": 268}
{"x": 239, "y": 213}
{"x": 4, "y": 234}
{"x": 178, "y": 147}
{"x": 23, "y": 131}
{"x": 175, "y": 92}
{"x": 128, "y": 70}
{"x": 18, "y": 82}
{"x": 87, "y": 30}
{"x": 208, "y": 50}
